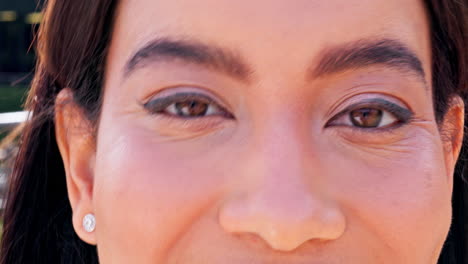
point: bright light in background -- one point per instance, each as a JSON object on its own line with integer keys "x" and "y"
{"x": 7, "y": 16}
{"x": 33, "y": 18}
{"x": 13, "y": 117}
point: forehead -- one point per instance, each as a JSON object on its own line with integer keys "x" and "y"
{"x": 267, "y": 32}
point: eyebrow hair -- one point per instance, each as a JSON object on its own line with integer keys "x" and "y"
{"x": 354, "y": 55}
{"x": 189, "y": 51}
{"x": 363, "y": 53}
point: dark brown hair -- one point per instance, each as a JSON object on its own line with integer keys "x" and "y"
{"x": 72, "y": 47}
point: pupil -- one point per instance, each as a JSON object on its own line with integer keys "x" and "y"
{"x": 366, "y": 117}
{"x": 191, "y": 108}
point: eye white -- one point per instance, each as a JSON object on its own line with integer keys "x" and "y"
{"x": 212, "y": 110}
{"x": 387, "y": 119}
{"x": 171, "y": 109}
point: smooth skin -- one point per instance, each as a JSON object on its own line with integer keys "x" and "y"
{"x": 279, "y": 168}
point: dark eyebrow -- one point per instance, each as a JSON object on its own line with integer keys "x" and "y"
{"x": 359, "y": 54}
{"x": 386, "y": 52}
{"x": 188, "y": 51}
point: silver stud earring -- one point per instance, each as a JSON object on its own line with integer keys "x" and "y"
{"x": 89, "y": 223}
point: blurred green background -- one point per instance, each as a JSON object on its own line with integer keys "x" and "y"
{"x": 12, "y": 97}
{"x": 18, "y": 23}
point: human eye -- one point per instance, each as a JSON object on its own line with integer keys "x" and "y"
{"x": 186, "y": 105}
{"x": 371, "y": 115}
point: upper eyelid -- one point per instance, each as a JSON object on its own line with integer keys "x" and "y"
{"x": 367, "y": 96}
{"x": 168, "y": 99}
{"x": 188, "y": 88}
{"x": 394, "y": 108}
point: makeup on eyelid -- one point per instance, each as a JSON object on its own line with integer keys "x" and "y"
{"x": 183, "y": 102}
{"x": 400, "y": 114}
{"x": 371, "y": 113}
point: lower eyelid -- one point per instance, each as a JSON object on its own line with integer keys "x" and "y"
{"x": 374, "y": 135}
{"x": 172, "y": 125}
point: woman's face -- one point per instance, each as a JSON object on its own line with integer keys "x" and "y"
{"x": 267, "y": 131}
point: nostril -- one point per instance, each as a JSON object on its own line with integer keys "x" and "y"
{"x": 283, "y": 226}
{"x": 290, "y": 234}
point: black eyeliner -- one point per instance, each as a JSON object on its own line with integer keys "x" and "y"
{"x": 403, "y": 114}
{"x": 158, "y": 105}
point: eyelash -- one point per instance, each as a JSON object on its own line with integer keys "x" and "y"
{"x": 402, "y": 115}
{"x": 160, "y": 105}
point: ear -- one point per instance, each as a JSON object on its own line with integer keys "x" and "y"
{"x": 452, "y": 130}
{"x": 77, "y": 148}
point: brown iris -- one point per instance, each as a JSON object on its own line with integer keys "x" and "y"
{"x": 191, "y": 108}
{"x": 366, "y": 117}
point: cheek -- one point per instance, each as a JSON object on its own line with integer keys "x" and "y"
{"x": 400, "y": 194}
{"x": 148, "y": 193}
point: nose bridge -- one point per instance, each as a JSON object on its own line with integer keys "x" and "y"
{"x": 284, "y": 207}
{"x": 278, "y": 156}
{"x": 279, "y": 143}
{"x": 286, "y": 158}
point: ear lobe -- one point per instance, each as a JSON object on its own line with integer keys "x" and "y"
{"x": 452, "y": 131}
{"x": 77, "y": 148}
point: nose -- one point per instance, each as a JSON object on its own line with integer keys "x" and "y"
{"x": 282, "y": 205}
